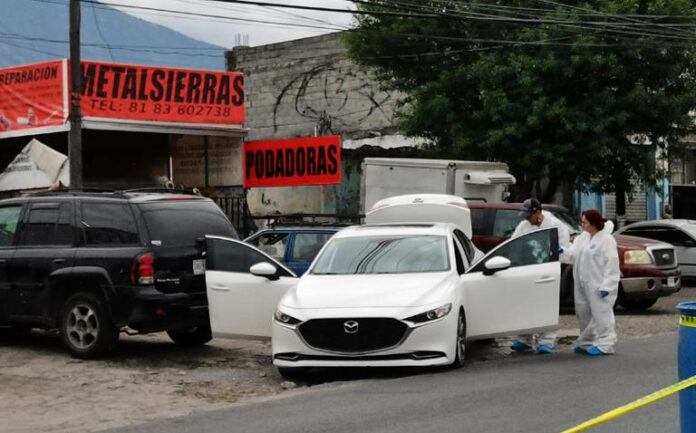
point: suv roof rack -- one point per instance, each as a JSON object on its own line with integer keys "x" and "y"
{"x": 71, "y": 191}
{"x": 310, "y": 219}
{"x": 161, "y": 189}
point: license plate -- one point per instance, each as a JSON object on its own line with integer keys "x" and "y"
{"x": 671, "y": 281}
{"x": 199, "y": 267}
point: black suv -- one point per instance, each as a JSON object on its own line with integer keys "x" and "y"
{"x": 93, "y": 264}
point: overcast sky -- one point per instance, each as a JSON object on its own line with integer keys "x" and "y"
{"x": 234, "y": 24}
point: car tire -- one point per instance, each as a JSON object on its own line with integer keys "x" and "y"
{"x": 460, "y": 342}
{"x": 194, "y": 336}
{"x": 637, "y": 304}
{"x": 86, "y": 329}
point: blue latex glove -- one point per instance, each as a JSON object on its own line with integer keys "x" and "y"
{"x": 560, "y": 250}
{"x": 603, "y": 293}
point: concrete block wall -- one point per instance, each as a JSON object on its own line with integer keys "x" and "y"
{"x": 307, "y": 87}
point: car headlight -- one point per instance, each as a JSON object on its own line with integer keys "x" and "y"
{"x": 431, "y": 315}
{"x": 284, "y": 319}
{"x": 637, "y": 257}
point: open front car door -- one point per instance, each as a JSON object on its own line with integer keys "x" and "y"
{"x": 244, "y": 286}
{"x": 514, "y": 288}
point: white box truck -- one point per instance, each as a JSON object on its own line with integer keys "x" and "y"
{"x": 472, "y": 180}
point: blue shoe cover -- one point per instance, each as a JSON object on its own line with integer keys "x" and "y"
{"x": 579, "y": 349}
{"x": 519, "y": 346}
{"x": 594, "y": 351}
{"x": 544, "y": 349}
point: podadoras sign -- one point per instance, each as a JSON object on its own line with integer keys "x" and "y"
{"x": 34, "y": 98}
{"x": 293, "y": 162}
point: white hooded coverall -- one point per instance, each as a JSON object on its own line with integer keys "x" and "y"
{"x": 547, "y": 337}
{"x": 595, "y": 268}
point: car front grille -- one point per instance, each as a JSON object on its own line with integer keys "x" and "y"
{"x": 353, "y": 335}
{"x": 664, "y": 258}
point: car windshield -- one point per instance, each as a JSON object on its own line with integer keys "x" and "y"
{"x": 177, "y": 223}
{"x": 571, "y": 220}
{"x": 383, "y": 255}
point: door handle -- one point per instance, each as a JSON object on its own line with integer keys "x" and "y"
{"x": 543, "y": 280}
{"x": 219, "y": 289}
{"x": 58, "y": 261}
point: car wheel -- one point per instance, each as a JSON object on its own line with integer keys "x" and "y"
{"x": 637, "y": 304}
{"x": 85, "y": 326}
{"x": 460, "y": 342}
{"x": 194, "y": 336}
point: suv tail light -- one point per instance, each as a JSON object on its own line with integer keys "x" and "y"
{"x": 143, "y": 271}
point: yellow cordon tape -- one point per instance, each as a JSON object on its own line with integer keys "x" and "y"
{"x": 635, "y": 405}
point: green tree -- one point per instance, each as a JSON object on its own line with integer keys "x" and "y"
{"x": 557, "y": 91}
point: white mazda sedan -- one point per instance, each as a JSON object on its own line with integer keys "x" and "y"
{"x": 404, "y": 294}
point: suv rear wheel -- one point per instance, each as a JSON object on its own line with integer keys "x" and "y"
{"x": 194, "y": 336}
{"x": 85, "y": 326}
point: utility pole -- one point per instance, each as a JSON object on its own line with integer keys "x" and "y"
{"x": 75, "y": 135}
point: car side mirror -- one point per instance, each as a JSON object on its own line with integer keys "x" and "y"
{"x": 495, "y": 264}
{"x": 264, "y": 269}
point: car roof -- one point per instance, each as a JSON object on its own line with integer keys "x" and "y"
{"x": 512, "y": 206}
{"x": 681, "y": 223}
{"x": 432, "y": 229}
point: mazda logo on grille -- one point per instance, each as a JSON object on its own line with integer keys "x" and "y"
{"x": 351, "y": 327}
{"x": 665, "y": 256}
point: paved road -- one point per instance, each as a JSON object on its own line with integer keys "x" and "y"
{"x": 526, "y": 393}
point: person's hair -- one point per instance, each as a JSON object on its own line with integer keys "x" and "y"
{"x": 594, "y": 217}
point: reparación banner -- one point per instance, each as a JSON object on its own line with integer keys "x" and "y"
{"x": 293, "y": 162}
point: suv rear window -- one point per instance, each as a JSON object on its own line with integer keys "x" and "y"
{"x": 181, "y": 222}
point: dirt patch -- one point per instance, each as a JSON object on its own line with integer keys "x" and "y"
{"x": 43, "y": 389}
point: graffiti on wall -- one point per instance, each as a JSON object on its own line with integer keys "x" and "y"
{"x": 333, "y": 99}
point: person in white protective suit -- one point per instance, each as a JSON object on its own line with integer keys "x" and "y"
{"x": 536, "y": 219}
{"x": 596, "y": 275}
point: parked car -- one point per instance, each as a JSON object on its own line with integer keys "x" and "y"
{"x": 404, "y": 293}
{"x": 92, "y": 264}
{"x": 680, "y": 233}
{"x": 649, "y": 269}
{"x": 293, "y": 246}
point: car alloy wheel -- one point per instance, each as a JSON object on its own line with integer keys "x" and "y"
{"x": 86, "y": 329}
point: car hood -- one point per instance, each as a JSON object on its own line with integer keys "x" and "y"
{"x": 367, "y": 291}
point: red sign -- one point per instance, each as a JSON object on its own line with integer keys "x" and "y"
{"x": 32, "y": 97}
{"x": 149, "y": 93}
{"x": 292, "y": 162}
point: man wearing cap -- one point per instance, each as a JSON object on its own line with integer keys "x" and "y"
{"x": 536, "y": 219}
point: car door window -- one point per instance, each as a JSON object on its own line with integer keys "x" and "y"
{"x": 307, "y": 245}
{"x": 231, "y": 256}
{"x": 107, "y": 224}
{"x": 506, "y": 220}
{"x": 458, "y": 258}
{"x": 9, "y": 216}
{"x": 48, "y": 224}
{"x": 533, "y": 248}
{"x": 273, "y": 244}
{"x": 469, "y": 249}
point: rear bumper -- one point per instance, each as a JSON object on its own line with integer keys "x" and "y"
{"x": 154, "y": 311}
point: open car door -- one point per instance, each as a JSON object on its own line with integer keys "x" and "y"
{"x": 515, "y": 287}
{"x": 242, "y": 302}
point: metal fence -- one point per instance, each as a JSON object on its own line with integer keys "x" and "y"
{"x": 237, "y": 211}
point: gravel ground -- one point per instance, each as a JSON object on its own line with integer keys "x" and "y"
{"x": 42, "y": 389}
